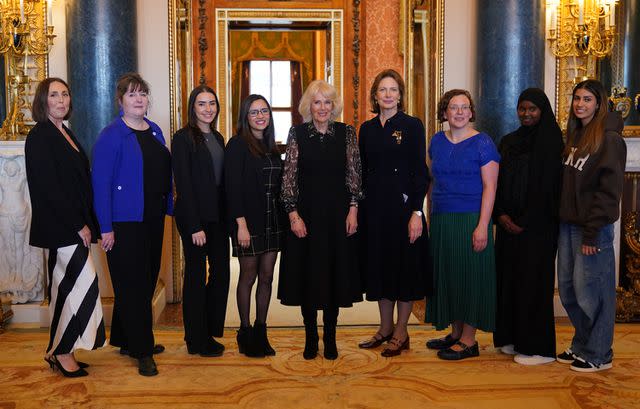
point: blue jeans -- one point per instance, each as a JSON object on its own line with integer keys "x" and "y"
{"x": 587, "y": 291}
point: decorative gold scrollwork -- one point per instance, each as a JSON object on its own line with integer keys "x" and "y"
{"x": 628, "y": 300}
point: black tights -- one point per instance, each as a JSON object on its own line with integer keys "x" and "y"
{"x": 260, "y": 266}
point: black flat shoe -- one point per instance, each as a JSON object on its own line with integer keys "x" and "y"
{"x": 157, "y": 349}
{"x": 375, "y": 341}
{"x": 147, "y": 366}
{"x": 442, "y": 343}
{"x": 466, "y": 352}
{"x": 54, "y": 363}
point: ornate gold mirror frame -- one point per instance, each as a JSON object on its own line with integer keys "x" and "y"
{"x": 422, "y": 29}
{"x": 180, "y": 84}
{"x": 226, "y": 16}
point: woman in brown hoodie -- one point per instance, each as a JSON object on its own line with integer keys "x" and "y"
{"x": 594, "y": 160}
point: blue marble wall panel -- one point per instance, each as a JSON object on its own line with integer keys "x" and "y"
{"x": 101, "y": 46}
{"x": 510, "y": 35}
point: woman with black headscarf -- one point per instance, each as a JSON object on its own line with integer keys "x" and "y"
{"x": 526, "y": 211}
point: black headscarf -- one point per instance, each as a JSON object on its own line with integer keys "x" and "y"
{"x": 540, "y": 149}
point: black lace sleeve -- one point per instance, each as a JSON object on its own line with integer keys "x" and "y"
{"x": 354, "y": 166}
{"x": 289, "y": 192}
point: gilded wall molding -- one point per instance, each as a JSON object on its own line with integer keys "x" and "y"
{"x": 223, "y": 17}
{"x": 355, "y": 47}
{"x": 203, "y": 45}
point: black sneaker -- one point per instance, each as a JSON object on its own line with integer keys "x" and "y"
{"x": 567, "y": 357}
{"x": 581, "y": 365}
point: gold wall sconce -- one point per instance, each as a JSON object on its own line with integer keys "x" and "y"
{"x": 582, "y": 27}
{"x": 26, "y": 37}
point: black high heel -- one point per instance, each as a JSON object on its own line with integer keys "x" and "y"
{"x": 54, "y": 363}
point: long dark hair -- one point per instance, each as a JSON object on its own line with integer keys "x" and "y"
{"x": 256, "y": 147}
{"x": 194, "y": 129}
{"x": 594, "y": 131}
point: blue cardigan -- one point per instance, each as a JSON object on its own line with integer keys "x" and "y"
{"x": 117, "y": 175}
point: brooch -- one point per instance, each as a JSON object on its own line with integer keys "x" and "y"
{"x": 398, "y": 136}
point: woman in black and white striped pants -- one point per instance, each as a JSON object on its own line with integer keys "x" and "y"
{"x": 64, "y": 222}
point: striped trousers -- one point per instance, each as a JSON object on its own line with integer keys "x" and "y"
{"x": 75, "y": 309}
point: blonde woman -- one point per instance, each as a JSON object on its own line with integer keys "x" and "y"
{"x": 320, "y": 191}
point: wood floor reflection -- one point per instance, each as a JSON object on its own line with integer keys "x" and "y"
{"x": 358, "y": 379}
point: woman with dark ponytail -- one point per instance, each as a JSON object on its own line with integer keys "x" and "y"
{"x": 198, "y": 166}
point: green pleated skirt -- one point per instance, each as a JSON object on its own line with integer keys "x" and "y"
{"x": 464, "y": 280}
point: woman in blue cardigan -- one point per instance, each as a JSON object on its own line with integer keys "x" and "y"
{"x": 132, "y": 189}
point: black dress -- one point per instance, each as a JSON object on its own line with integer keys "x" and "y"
{"x": 528, "y": 192}
{"x": 322, "y": 177}
{"x": 395, "y": 180}
{"x": 271, "y": 238}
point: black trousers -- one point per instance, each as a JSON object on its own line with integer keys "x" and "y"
{"x": 134, "y": 265}
{"x": 204, "y": 298}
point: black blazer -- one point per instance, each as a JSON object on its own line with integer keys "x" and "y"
{"x": 245, "y": 188}
{"x": 198, "y": 198}
{"x": 60, "y": 187}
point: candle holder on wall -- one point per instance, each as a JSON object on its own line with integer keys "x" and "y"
{"x": 579, "y": 33}
{"x": 26, "y": 37}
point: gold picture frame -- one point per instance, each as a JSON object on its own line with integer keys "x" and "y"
{"x": 225, "y": 16}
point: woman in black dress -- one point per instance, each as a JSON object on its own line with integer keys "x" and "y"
{"x": 198, "y": 160}
{"x": 394, "y": 236}
{"x": 64, "y": 222}
{"x": 526, "y": 210}
{"x": 253, "y": 171}
{"x": 320, "y": 191}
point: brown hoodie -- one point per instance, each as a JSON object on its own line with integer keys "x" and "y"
{"x": 592, "y": 185}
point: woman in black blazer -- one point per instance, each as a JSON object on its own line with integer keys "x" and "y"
{"x": 252, "y": 171}
{"x": 198, "y": 158}
{"x": 63, "y": 221}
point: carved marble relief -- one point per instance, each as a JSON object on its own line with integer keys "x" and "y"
{"x": 21, "y": 266}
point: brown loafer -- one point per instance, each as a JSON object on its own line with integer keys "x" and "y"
{"x": 396, "y": 347}
{"x": 375, "y": 341}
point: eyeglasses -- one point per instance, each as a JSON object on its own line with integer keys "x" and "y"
{"x": 456, "y": 108}
{"x": 254, "y": 112}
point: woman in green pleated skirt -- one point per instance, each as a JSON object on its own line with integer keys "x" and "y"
{"x": 466, "y": 287}
{"x": 464, "y": 163}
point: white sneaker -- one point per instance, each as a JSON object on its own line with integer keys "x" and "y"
{"x": 508, "y": 349}
{"x": 533, "y": 359}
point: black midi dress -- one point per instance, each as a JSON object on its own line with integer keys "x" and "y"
{"x": 321, "y": 180}
{"x": 395, "y": 181}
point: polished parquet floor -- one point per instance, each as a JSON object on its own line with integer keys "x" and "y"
{"x": 358, "y": 379}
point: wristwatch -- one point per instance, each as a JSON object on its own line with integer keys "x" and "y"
{"x": 418, "y": 213}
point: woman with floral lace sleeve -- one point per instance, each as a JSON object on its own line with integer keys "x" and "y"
{"x": 321, "y": 187}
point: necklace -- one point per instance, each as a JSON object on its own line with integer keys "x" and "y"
{"x": 141, "y": 127}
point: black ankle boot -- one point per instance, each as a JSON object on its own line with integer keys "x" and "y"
{"x": 329, "y": 340}
{"x": 260, "y": 330}
{"x": 311, "y": 342}
{"x": 254, "y": 347}
{"x": 242, "y": 338}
